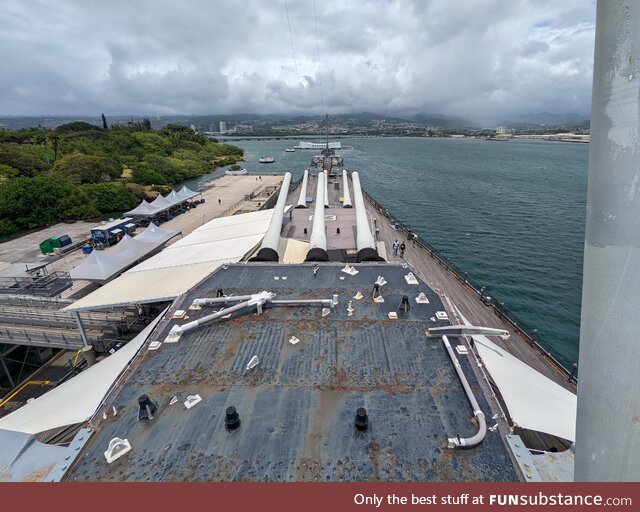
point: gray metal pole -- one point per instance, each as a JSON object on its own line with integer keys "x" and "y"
{"x": 6, "y": 371}
{"x": 83, "y": 334}
{"x": 608, "y": 425}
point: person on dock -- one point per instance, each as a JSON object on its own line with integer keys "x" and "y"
{"x": 396, "y": 245}
{"x": 402, "y": 249}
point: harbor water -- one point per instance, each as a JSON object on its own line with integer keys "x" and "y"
{"x": 509, "y": 214}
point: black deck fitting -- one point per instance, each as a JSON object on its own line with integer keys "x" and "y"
{"x": 317, "y": 254}
{"x": 404, "y": 304}
{"x": 266, "y": 254}
{"x": 362, "y": 420}
{"x": 146, "y": 408}
{"x": 376, "y": 290}
{"x": 232, "y": 419}
{"x": 337, "y": 231}
{"x": 368, "y": 254}
{"x": 219, "y": 293}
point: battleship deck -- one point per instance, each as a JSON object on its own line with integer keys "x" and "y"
{"x": 297, "y": 407}
{"x": 424, "y": 264}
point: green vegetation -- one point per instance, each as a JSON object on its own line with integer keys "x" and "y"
{"x": 76, "y": 171}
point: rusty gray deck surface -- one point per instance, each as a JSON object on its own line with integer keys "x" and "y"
{"x": 297, "y": 406}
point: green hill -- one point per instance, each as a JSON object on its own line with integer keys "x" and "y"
{"x": 76, "y": 171}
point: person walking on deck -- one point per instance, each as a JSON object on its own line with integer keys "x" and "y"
{"x": 402, "y": 249}
{"x": 396, "y": 245}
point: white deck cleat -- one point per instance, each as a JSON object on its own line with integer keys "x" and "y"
{"x": 173, "y": 400}
{"x": 462, "y": 350}
{"x": 174, "y": 334}
{"x": 358, "y": 296}
{"x": 350, "y": 270}
{"x": 294, "y": 341}
{"x": 422, "y": 298}
{"x": 379, "y": 299}
{"x": 442, "y": 315}
{"x": 253, "y": 362}
{"x": 381, "y": 281}
{"x": 393, "y": 315}
{"x": 410, "y": 278}
{"x": 117, "y": 448}
{"x": 326, "y": 311}
{"x": 180, "y": 313}
{"x": 192, "y": 400}
{"x": 154, "y": 345}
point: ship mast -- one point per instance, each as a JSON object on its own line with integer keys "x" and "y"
{"x": 608, "y": 421}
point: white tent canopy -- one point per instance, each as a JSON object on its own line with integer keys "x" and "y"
{"x": 101, "y": 266}
{"x": 144, "y": 209}
{"x": 170, "y": 273}
{"x": 77, "y": 399}
{"x": 186, "y": 193}
{"x": 162, "y": 203}
{"x": 534, "y": 401}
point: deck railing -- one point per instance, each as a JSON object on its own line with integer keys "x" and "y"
{"x": 530, "y": 334}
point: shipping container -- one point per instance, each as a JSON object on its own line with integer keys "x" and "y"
{"x": 45, "y": 247}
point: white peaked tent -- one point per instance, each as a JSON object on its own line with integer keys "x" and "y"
{"x": 102, "y": 266}
{"x": 144, "y": 209}
{"x": 185, "y": 193}
{"x": 154, "y": 234}
{"x": 162, "y": 203}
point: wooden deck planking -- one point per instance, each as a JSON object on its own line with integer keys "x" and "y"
{"x": 448, "y": 285}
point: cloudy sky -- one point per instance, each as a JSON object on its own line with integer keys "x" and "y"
{"x": 475, "y": 58}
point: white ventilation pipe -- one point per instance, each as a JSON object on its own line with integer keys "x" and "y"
{"x": 346, "y": 196}
{"x": 271, "y": 241}
{"x": 302, "y": 200}
{"x": 365, "y": 243}
{"x": 478, "y": 437}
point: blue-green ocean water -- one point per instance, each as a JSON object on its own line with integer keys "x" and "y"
{"x": 510, "y": 214}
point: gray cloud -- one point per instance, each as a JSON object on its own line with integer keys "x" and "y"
{"x": 481, "y": 59}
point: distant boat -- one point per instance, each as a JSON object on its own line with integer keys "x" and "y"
{"x": 290, "y": 150}
{"x": 239, "y": 172}
{"x": 266, "y": 159}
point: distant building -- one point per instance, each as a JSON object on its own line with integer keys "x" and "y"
{"x": 244, "y": 128}
{"x": 223, "y": 127}
{"x": 193, "y": 127}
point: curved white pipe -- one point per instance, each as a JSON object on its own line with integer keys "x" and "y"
{"x": 478, "y": 437}
{"x": 364, "y": 238}
{"x": 346, "y": 196}
{"x": 302, "y": 200}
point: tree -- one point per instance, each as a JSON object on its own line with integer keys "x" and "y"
{"x": 104, "y": 122}
{"x": 28, "y": 160}
{"x": 76, "y": 126}
{"x": 85, "y": 169}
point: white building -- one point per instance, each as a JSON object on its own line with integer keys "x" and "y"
{"x": 223, "y": 127}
